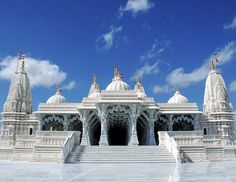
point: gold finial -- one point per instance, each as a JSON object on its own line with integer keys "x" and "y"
{"x": 94, "y": 78}
{"x": 175, "y": 89}
{"x": 115, "y": 72}
{"x": 23, "y": 65}
{"x": 138, "y": 79}
{"x": 213, "y": 67}
{"x": 21, "y": 58}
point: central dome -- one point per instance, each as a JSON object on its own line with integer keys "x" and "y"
{"x": 177, "y": 98}
{"x": 117, "y": 84}
{"x": 57, "y": 98}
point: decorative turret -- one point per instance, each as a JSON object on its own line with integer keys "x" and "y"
{"x": 215, "y": 97}
{"x": 19, "y": 97}
{"x": 117, "y": 84}
{"x": 94, "y": 91}
{"x": 139, "y": 88}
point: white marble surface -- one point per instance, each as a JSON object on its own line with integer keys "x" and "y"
{"x": 28, "y": 171}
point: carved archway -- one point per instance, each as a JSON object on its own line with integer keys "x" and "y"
{"x": 53, "y": 123}
{"x": 118, "y": 128}
{"x": 94, "y": 130}
{"x": 75, "y": 124}
{"x": 142, "y": 130}
{"x": 183, "y": 123}
{"x": 160, "y": 125}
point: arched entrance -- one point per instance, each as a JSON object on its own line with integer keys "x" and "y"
{"x": 142, "y": 130}
{"x": 53, "y": 123}
{"x": 118, "y": 128}
{"x": 95, "y": 132}
{"x": 182, "y": 123}
{"x": 160, "y": 125}
{"x": 75, "y": 125}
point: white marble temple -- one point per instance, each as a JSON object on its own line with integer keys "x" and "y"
{"x": 202, "y": 171}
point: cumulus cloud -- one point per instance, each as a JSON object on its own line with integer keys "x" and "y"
{"x": 147, "y": 69}
{"x": 231, "y": 25}
{"x": 232, "y": 86}
{"x": 160, "y": 89}
{"x": 42, "y": 73}
{"x": 179, "y": 77}
{"x": 71, "y": 85}
{"x": 106, "y": 41}
{"x": 157, "y": 48}
{"x": 135, "y": 6}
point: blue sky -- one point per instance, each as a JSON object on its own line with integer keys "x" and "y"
{"x": 168, "y": 43}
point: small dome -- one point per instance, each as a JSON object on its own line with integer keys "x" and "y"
{"x": 141, "y": 95}
{"x": 57, "y": 98}
{"x": 177, "y": 99}
{"x": 94, "y": 95}
{"x": 117, "y": 84}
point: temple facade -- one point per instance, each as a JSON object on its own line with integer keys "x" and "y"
{"x": 121, "y": 116}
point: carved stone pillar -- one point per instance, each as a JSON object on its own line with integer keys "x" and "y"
{"x": 103, "y": 138}
{"x": 84, "y": 119}
{"x": 85, "y": 136}
{"x": 151, "y": 132}
{"x": 134, "y": 137}
{"x": 170, "y": 122}
{"x": 65, "y": 122}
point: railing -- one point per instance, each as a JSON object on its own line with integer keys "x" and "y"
{"x": 185, "y": 133}
{"x": 52, "y": 138}
{"x": 53, "y": 133}
{"x": 69, "y": 144}
{"x": 187, "y": 137}
{"x": 170, "y": 144}
{"x": 28, "y": 143}
{"x": 212, "y": 142}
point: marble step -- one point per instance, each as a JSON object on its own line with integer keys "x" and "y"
{"x": 119, "y": 154}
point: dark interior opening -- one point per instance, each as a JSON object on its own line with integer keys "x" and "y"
{"x": 95, "y": 132}
{"x": 159, "y": 126}
{"x": 118, "y": 134}
{"x": 142, "y": 132}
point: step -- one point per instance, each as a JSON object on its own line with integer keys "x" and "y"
{"x": 119, "y": 154}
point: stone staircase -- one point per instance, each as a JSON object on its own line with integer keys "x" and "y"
{"x": 119, "y": 154}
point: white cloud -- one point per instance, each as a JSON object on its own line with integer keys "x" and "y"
{"x": 160, "y": 89}
{"x": 232, "y": 86}
{"x": 147, "y": 69}
{"x": 40, "y": 72}
{"x": 106, "y": 41}
{"x": 231, "y": 25}
{"x": 179, "y": 77}
{"x": 71, "y": 85}
{"x": 135, "y": 6}
{"x": 157, "y": 48}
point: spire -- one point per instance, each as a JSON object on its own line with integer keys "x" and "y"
{"x": 213, "y": 67}
{"x": 138, "y": 83}
{"x": 115, "y": 72}
{"x": 214, "y": 61}
{"x": 21, "y": 58}
{"x": 19, "y": 97}
{"x": 96, "y": 87}
{"x": 59, "y": 91}
{"x": 94, "y": 79}
{"x": 138, "y": 79}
